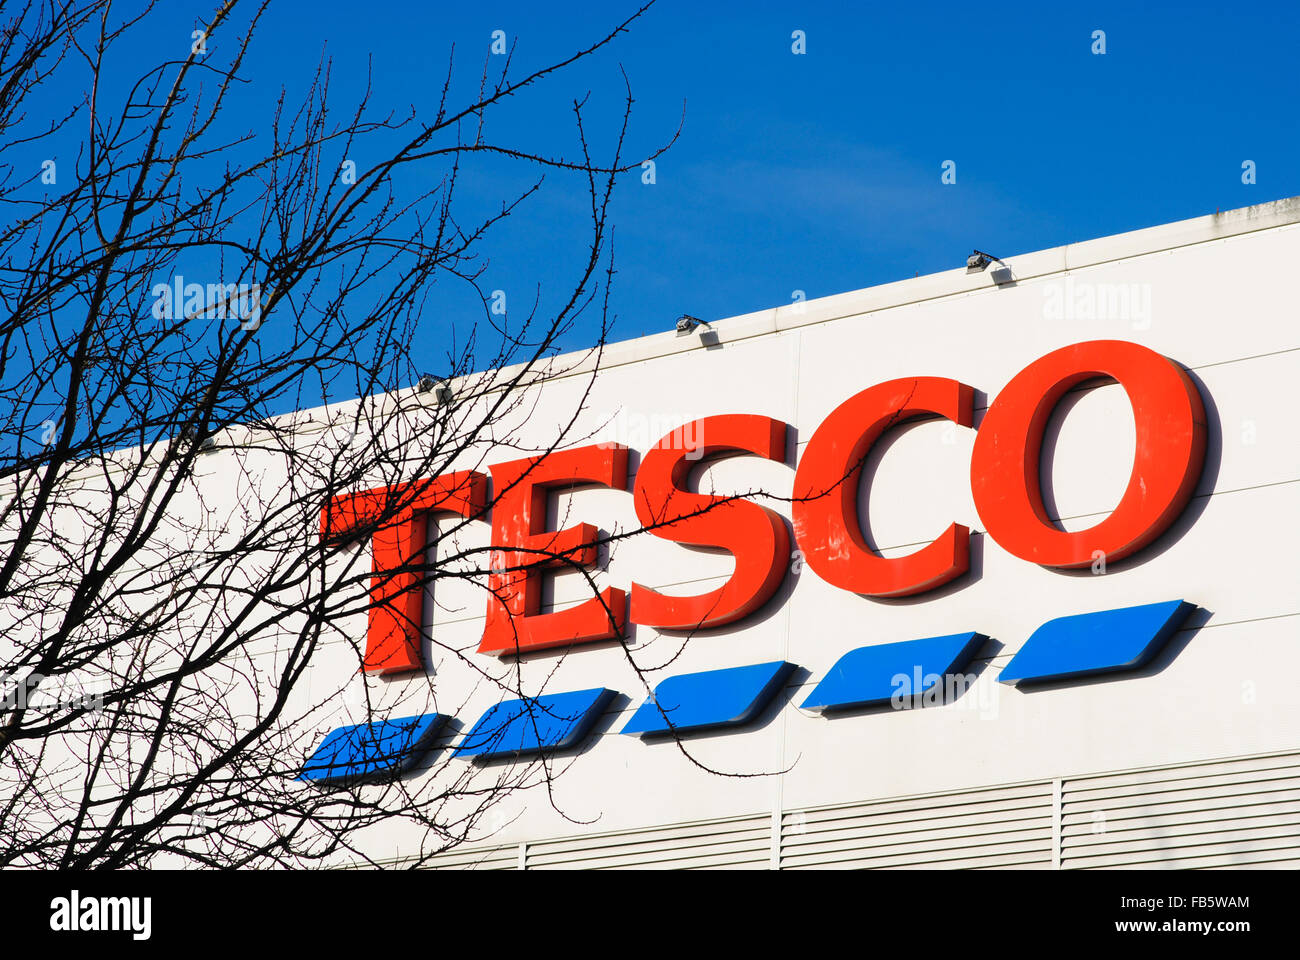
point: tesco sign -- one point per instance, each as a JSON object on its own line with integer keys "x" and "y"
{"x": 1170, "y": 451}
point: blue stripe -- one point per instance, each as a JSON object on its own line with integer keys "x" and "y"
{"x": 1103, "y": 642}
{"x": 535, "y": 724}
{"x": 714, "y": 698}
{"x": 875, "y": 674}
{"x": 367, "y": 749}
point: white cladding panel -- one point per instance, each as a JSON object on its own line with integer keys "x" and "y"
{"x": 1037, "y": 761}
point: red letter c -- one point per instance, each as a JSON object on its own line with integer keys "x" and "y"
{"x": 826, "y": 491}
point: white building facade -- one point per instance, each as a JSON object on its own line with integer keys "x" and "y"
{"x": 1185, "y": 753}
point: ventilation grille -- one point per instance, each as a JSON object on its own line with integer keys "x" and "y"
{"x": 1002, "y": 827}
{"x": 1233, "y": 813}
{"x": 481, "y": 858}
{"x": 741, "y": 843}
{"x": 1230, "y": 813}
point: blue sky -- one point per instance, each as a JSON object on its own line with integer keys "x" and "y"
{"x": 821, "y": 172}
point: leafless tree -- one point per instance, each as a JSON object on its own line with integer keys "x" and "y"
{"x": 162, "y": 554}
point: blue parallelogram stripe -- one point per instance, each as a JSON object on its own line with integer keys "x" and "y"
{"x": 368, "y": 749}
{"x": 714, "y": 698}
{"x": 549, "y": 723}
{"x": 1106, "y": 641}
{"x": 869, "y": 675}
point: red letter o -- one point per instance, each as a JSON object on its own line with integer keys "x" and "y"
{"x": 1170, "y": 421}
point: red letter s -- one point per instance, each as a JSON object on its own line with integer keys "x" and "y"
{"x": 755, "y": 535}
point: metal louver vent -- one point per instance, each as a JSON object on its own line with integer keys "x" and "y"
{"x": 1000, "y": 827}
{"x": 1242, "y": 812}
{"x": 1231, "y": 813}
{"x": 741, "y": 843}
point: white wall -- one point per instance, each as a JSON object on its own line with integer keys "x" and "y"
{"x": 1222, "y": 295}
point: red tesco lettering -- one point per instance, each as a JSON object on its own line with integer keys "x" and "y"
{"x": 1005, "y": 484}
